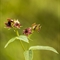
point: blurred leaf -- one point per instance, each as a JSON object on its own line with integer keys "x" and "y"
{"x": 11, "y": 40}
{"x": 43, "y": 48}
{"x": 23, "y": 38}
{"x": 28, "y": 55}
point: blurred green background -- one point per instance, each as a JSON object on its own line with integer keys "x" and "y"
{"x": 44, "y": 12}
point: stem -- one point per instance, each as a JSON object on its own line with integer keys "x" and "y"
{"x": 20, "y": 41}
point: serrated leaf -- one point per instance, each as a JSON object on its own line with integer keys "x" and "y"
{"x": 43, "y": 48}
{"x": 11, "y": 40}
{"x": 23, "y": 38}
{"x": 28, "y": 55}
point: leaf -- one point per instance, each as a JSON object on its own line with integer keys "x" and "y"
{"x": 43, "y": 48}
{"x": 28, "y": 55}
{"x": 23, "y": 38}
{"x": 11, "y": 40}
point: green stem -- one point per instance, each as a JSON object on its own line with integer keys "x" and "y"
{"x": 20, "y": 41}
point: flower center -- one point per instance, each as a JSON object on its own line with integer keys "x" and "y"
{"x": 26, "y": 31}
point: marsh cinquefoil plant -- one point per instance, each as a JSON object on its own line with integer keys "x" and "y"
{"x": 28, "y": 54}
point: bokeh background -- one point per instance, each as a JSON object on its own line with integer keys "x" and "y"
{"x": 44, "y": 12}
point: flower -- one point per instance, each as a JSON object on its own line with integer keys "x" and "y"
{"x": 13, "y": 23}
{"x": 27, "y": 31}
{"x": 9, "y": 23}
{"x": 17, "y": 24}
{"x": 36, "y": 27}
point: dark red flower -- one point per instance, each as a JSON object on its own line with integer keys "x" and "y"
{"x": 27, "y": 31}
{"x": 9, "y": 23}
{"x": 17, "y": 24}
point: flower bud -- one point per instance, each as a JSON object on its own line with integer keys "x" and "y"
{"x": 27, "y": 31}
{"x": 36, "y": 27}
{"x": 9, "y": 23}
{"x": 17, "y": 24}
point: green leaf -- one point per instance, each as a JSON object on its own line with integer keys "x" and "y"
{"x": 11, "y": 40}
{"x": 43, "y": 48}
{"x": 23, "y": 38}
{"x": 28, "y": 55}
